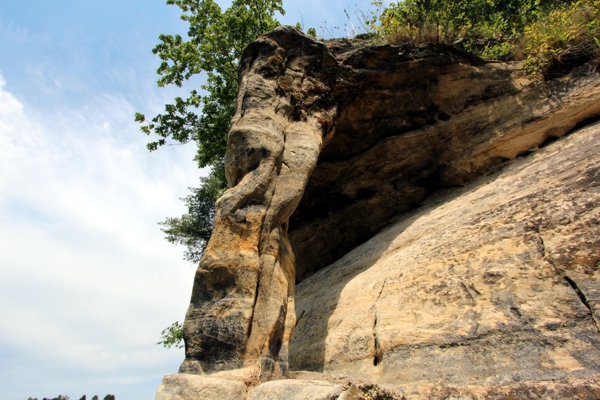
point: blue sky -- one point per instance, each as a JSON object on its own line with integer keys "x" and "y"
{"x": 87, "y": 281}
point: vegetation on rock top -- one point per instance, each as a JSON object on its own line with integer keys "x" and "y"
{"x": 552, "y": 37}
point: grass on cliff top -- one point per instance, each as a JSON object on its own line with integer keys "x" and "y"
{"x": 550, "y": 37}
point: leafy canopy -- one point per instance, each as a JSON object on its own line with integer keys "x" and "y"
{"x": 215, "y": 42}
{"x": 193, "y": 229}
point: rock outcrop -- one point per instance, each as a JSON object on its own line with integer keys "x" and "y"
{"x": 494, "y": 282}
{"x": 484, "y": 274}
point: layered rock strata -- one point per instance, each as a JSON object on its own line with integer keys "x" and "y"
{"x": 330, "y": 142}
{"x": 494, "y": 283}
{"x": 310, "y": 386}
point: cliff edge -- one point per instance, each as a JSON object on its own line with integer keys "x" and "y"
{"x": 402, "y": 222}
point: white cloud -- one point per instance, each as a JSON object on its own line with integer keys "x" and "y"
{"x": 88, "y": 282}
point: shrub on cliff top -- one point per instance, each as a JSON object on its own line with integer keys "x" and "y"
{"x": 552, "y": 36}
{"x": 486, "y": 22}
{"x": 565, "y": 38}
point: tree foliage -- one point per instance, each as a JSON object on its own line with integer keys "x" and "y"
{"x": 215, "y": 42}
{"x": 487, "y": 28}
{"x": 194, "y": 228}
{"x": 172, "y": 335}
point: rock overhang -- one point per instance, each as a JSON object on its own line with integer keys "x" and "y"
{"x": 413, "y": 120}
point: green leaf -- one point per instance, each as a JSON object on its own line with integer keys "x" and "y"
{"x": 214, "y": 43}
{"x": 172, "y": 336}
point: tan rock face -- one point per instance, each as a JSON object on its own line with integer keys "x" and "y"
{"x": 297, "y": 390}
{"x": 242, "y": 308}
{"x": 329, "y": 144}
{"x": 194, "y": 387}
{"x": 406, "y": 131}
{"x": 495, "y": 282}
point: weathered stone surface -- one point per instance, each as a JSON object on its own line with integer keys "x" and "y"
{"x": 493, "y": 283}
{"x": 324, "y": 386}
{"x": 296, "y": 390}
{"x": 334, "y": 142}
{"x": 571, "y": 388}
{"x": 407, "y": 129}
{"x": 195, "y": 387}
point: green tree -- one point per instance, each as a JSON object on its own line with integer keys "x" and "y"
{"x": 215, "y": 42}
{"x": 194, "y": 228}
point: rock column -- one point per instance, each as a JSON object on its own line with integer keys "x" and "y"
{"x": 242, "y": 308}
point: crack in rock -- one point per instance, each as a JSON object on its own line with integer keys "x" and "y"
{"x": 376, "y": 347}
{"x": 583, "y": 299}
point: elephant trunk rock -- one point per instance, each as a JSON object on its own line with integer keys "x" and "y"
{"x": 242, "y": 308}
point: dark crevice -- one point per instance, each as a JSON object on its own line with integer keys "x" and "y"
{"x": 376, "y": 359}
{"x": 473, "y": 302}
{"x": 583, "y": 299}
{"x": 549, "y": 140}
{"x": 543, "y": 245}
{"x": 254, "y": 305}
{"x": 299, "y": 318}
{"x": 584, "y": 123}
{"x": 377, "y": 350}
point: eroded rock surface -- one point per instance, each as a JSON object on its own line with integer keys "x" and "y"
{"x": 242, "y": 307}
{"x": 331, "y": 143}
{"x": 496, "y": 282}
{"x": 329, "y": 387}
{"x": 407, "y": 128}
{"x": 195, "y": 387}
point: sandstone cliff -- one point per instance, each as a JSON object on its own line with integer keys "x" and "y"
{"x": 438, "y": 251}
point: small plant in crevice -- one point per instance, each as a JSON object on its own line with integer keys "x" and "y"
{"x": 172, "y": 336}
